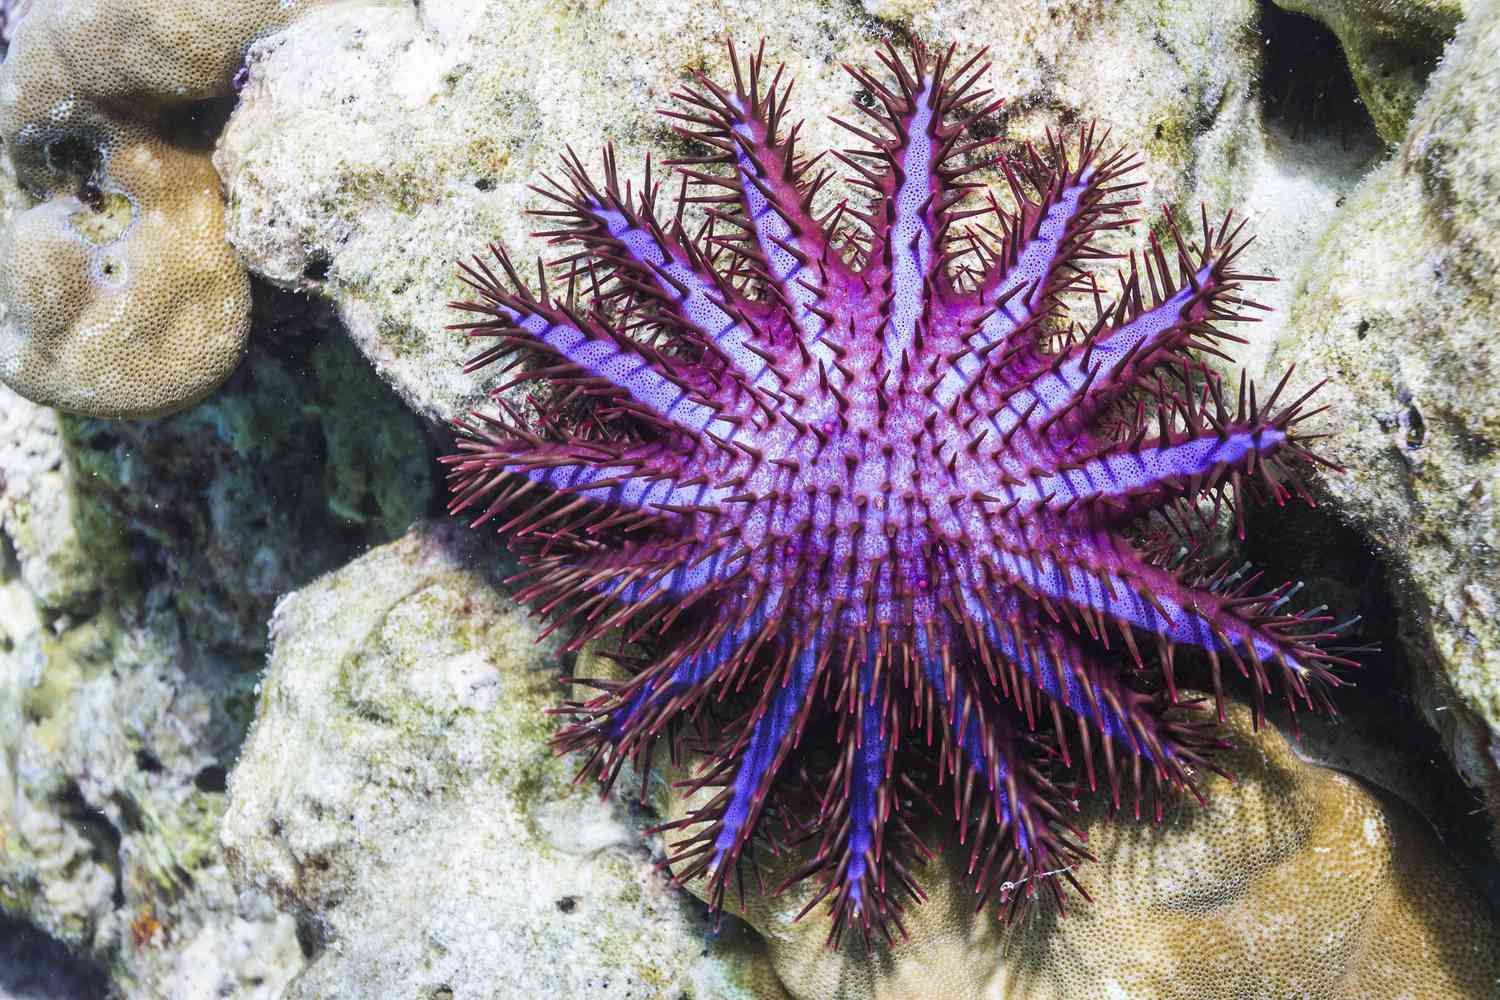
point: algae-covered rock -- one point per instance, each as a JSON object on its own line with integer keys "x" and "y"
{"x": 138, "y": 565}
{"x": 375, "y": 145}
{"x": 397, "y": 794}
{"x": 1399, "y": 309}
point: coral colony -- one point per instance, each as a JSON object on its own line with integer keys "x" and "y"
{"x": 903, "y": 507}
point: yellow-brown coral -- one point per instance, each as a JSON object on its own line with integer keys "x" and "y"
{"x": 1295, "y": 880}
{"x": 119, "y": 296}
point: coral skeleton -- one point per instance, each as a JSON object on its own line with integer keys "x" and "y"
{"x": 905, "y": 502}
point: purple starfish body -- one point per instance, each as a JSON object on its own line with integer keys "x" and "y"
{"x": 870, "y": 498}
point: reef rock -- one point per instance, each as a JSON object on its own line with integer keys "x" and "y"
{"x": 396, "y": 793}
{"x": 138, "y": 565}
{"x": 375, "y": 145}
{"x": 1399, "y": 307}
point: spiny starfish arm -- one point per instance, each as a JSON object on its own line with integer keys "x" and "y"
{"x": 771, "y": 197}
{"x": 594, "y": 477}
{"x": 1104, "y": 707}
{"x": 1146, "y": 326}
{"x": 660, "y": 268}
{"x": 638, "y": 586}
{"x": 625, "y": 721}
{"x": 1008, "y": 812}
{"x": 909, "y": 246}
{"x": 1040, "y": 249}
{"x": 582, "y": 350}
{"x": 1203, "y": 446}
{"x": 745, "y": 775}
{"x": 1126, "y": 592}
{"x": 912, "y": 171}
{"x": 1153, "y": 473}
{"x": 861, "y": 837}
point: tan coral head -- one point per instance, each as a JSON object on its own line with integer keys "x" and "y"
{"x": 132, "y": 305}
{"x": 119, "y": 294}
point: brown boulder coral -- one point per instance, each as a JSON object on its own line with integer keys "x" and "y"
{"x": 1295, "y": 880}
{"x": 119, "y": 296}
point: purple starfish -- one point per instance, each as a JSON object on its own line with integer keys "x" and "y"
{"x": 875, "y": 504}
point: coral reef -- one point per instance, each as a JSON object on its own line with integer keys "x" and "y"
{"x": 371, "y": 145}
{"x": 1401, "y": 301}
{"x": 119, "y": 296}
{"x": 397, "y": 793}
{"x": 138, "y": 565}
{"x": 864, "y": 467}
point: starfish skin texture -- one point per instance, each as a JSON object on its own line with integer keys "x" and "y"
{"x": 892, "y": 523}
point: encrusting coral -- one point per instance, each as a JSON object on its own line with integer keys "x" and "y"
{"x": 1294, "y": 880}
{"x": 120, "y": 294}
{"x": 883, "y": 503}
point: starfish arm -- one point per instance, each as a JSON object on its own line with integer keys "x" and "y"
{"x": 773, "y": 201}
{"x": 1095, "y": 694}
{"x": 587, "y": 351}
{"x": 607, "y": 477}
{"x": 910, "y": 242}
{"x": 863, "y": 837}
{"x": 1136, "y": 335}
{"x": 625, "y": 721}
{"x": 687, "y": 578}
{"x": 658, "y": 267}
{"x": 914, "y": 173}
{"x": 729, "y": 821}
{"x": 639, "y": 587}
{"x": 1155, "y": 472}
{"x": 1132, "y": 594}
{"x": 868, "y": 809}
{"x": 1016, "y": 837}
{"x": 1037, "y": 259}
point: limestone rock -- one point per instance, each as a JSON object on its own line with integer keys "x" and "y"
{"x": 397, "y": 794}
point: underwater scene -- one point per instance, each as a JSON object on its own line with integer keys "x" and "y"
{"x": 689, "y": 499}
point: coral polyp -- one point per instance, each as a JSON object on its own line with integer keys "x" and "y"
{"x": 905, "y": 509}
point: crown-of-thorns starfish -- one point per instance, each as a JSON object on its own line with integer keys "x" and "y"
{"x": 884, "y": 517}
